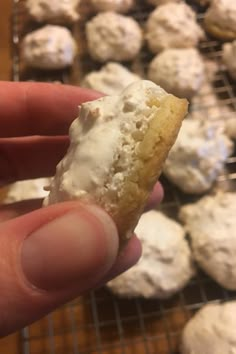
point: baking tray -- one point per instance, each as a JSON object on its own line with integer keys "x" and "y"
{"x": 99, "y": 322}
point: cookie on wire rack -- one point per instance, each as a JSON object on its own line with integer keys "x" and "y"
{"x": 53, "y": 11}
{"x": 111, "y": 36}
{"x": 49, "y": 48}
{"x": 198, "y": 156}
{"x": 111, "y": 79}
{"x": 220, "y": 19}
{"x": 172, "y": 25}
{"x": 211, "y": 330}
{"x": 179, "y": 71}
{"x": 166, "y": 265}
{"x": 211, "y": 225}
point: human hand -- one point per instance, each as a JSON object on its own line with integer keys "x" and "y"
{"x": 51, "y": 255}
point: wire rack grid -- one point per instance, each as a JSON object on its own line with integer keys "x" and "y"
{"x": 99, "y": 322}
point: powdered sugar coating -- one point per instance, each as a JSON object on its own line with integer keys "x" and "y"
{"x": 50, "y": 47}
{"x": 179, "y": 71}
{"x": 198, "y": 156}
{"x": 211, "y": 225}
{"x": 172, "y": 25}
{"x": 166, "y": 264}
{"x": 112, "y": 36}
{"x": 111, "y": 79}
{"x": 53, "y": 11}
{"x": 211, "y": 330}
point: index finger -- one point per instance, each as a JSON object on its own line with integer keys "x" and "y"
{"x": 30, "y": 108}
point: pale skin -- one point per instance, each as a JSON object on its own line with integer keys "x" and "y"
{"x": 45, "y": 258}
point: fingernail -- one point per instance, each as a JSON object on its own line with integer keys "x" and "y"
{"x": 80, "y": 246}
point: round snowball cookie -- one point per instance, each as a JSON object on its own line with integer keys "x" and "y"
{"x": 211, "y": 330}
{"x": 229, "y": 58}
{"x": 53, "y": 11}
{"x": 179, "y": 71}
{"x": 112, "y": 36}
{"x": 50, "y": 47}
{"x": 166, "y": 265}
{"x": 111, "y": 79}
{"x": 121, "y": 6}
{"x": 211, "y": 225}
{"x": 220, "y": 19}
{"x": 172, "y": 25}
{"x": 198, "y": 156}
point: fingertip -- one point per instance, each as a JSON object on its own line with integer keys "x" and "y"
{"x": 133, "y": 251}
{"x": 156, "y": 196}
{"x": 128, "y": 257}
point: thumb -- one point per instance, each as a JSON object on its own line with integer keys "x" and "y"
{"x": 50, "y": 256}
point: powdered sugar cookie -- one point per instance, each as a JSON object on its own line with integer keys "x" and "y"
{"x": 211, "y": 225}
{"x": 211, "y": 330}
{"x": 179, "y": 71}
{"x": 111, "y": 79}
{"x": 50, "y": 47}
{"x": 172, "y": 25}
{"x": 220, "y": 19}
{"x": 198, "y": 156}
{"x": 53, "y": 11}
{"x": 166, "y": 264}
{"x": 112, "y": 36}
{"x": 118, "y": 146}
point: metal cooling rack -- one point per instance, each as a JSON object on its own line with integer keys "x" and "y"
{"x": 100, "y": 323}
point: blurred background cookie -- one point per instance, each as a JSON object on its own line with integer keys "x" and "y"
{"x": 211, "y": 225}
{"x": 111, "y": 79}
{"x": 198, "y": 156}
{"x": 179, "y": 71}
{"x": 166, "y": 264}
{"x": 53, "y": 11}
{"x": 50, "y": 47}
{"x": 211, "y": 330}
{"x": 172, "y": 25}
{"x": 112, "y": 36}
{"x": 220, "y": 19}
